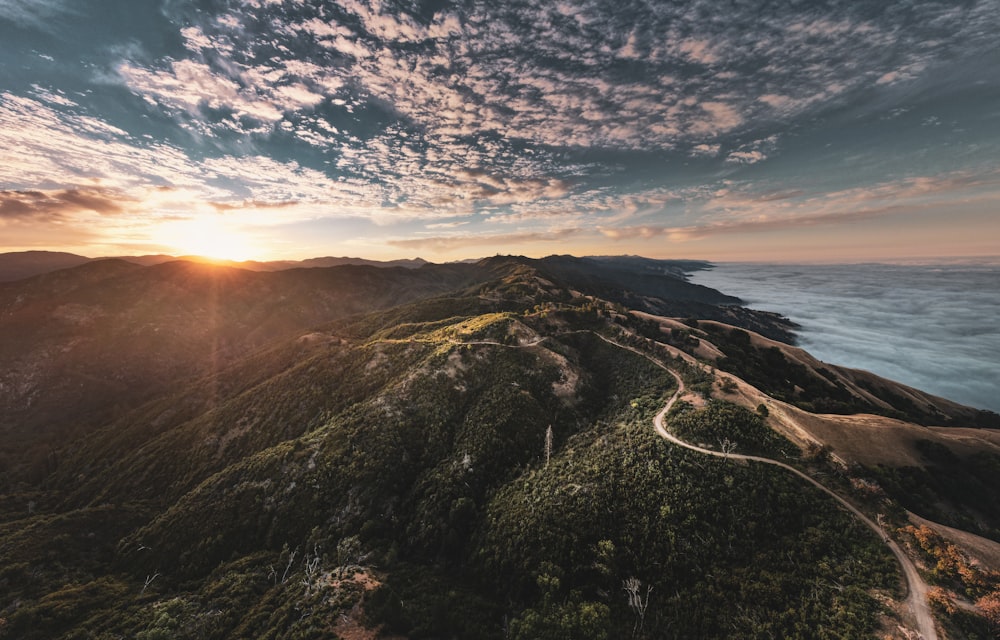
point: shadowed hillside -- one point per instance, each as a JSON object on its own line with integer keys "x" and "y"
{"x": 447, "y": 451}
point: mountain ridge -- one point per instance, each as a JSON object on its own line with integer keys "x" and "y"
{"x": 453, "y": 450}
{"x": 19, "y": 265}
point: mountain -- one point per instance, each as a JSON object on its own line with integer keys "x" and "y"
{"x": 25, "y": 264}
{"x": 462, "y": 450}
{"x": 80, "y": 344}
{"x": 336, "y": 262}
{"x": 281, "y": 265}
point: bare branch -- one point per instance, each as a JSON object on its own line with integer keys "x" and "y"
{"x": 548, "y": 445}
{"x": 149, "y": 581}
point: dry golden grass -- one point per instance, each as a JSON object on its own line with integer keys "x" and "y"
{"x": 705, "y": 349}
{"x": 862, "y": 438}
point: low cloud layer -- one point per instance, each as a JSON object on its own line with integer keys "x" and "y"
{"x": 931, "y": 327}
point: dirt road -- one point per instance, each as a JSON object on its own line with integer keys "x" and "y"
{"x": 917, "y": 588}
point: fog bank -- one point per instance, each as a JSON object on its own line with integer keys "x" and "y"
{"x": 931, "y": 327}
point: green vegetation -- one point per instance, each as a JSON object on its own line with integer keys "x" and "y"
{"x": 428, "y": 455}
{"x": 393, "y": 468}
{"x": 731, "y": 428}
{"x": 728, "y": 551}
{"x": 770, "y": 371}
{"x": 957, "y": 491}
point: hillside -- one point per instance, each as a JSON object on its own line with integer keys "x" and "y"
{"x": 19, "y": 265}
{"x": 25, "y": 264}
{"x": 446, "y": 451}
{"x": 83, "y": 345}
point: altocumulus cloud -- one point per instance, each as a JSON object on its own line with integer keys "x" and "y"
{"x": 58, "y": 204}
{"x": 511, "y": 113}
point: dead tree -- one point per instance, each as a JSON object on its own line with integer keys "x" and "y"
{"x": 727, "y": 446}
{"x": 291, "y": 560}
{"x": 311, "y": 571}
{"x": 548, "y": 445}
{"x": 149, "y": 581}
{"x": 636, "y": 601}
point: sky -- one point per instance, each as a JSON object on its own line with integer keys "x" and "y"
{"x": 283, "y": 129}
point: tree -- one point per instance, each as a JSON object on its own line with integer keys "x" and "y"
{"x": 548, "y": 445}
{"x": 727, "y": 446}
{"x": 990, "y": 606}
{"x": 883, "y": 524}
{"x": 349, "y": 551}
{"x": 636, "y": 601}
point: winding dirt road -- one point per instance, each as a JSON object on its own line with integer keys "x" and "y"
{"x": 917, "y": 588}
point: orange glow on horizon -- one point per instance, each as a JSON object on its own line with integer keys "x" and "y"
{"x": 209, "y": 237}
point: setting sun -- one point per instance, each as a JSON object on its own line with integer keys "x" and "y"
{"x": 209, "y": 237}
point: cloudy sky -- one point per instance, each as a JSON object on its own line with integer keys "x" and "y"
{"x": 723, "y": 129}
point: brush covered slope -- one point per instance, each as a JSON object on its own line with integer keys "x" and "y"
{"x": 914, "y": 446}
{"x": 449, "y": 451}
{"x": 82, "y": 346}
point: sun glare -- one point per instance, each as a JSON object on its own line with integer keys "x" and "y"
{"x": 208, "y": 237}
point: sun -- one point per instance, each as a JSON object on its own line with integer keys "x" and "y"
{"x": 209, "y": 237}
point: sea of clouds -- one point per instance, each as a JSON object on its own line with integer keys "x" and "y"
{"x": 933, "y": 327}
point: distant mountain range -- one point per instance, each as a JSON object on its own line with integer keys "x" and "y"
{"x": 466, "y": 450}
{"x": 25, "y": 264}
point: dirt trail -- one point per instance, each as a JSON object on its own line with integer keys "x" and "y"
{"x": 917, "y": 588}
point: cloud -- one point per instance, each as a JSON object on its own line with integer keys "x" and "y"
{"x": 485, "y": 187}
{"x": 511, "y": 113}
{"x": 37, "y": 14}
{"x": 732, "y": 210}
{"x": 51, "y": 97}
{"x": 253, "y": 204}
{"x": 525, "y": 73}
{"x": 627, "y": 233}
{"x": 447, "y": 225}
{"x": 57, "y": 148}
{"x": 508, "y": 85}
{"x": 194, "y": 87}
{"x": 96, "y": 177}
{"x": 746, "y": 157}
{"x": 754, "y": 152}
{"x": 59, "y": 204}
{"x": 707, "y": 150}
{"x": 445, "y": 244}
{"x": 48, "y": 206}
{"x": 699, "y": 51}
